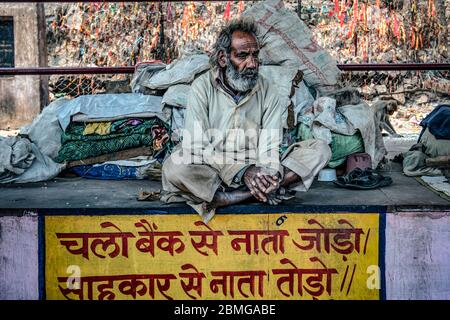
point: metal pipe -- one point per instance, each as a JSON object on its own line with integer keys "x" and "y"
{"x": 130, "y": 69}
{"x": 65, "y": 70}
{"x": 394, "y": 67}
{"x": 68, "y": 1}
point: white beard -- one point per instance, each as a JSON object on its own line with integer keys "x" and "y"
{"x": 239, "y": 81}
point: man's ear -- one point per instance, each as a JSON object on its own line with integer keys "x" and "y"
{"x": 222, "y": 59}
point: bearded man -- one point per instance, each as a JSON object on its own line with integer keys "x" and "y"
{"x": 233, "y": 131}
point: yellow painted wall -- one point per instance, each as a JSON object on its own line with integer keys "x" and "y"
{"x": 117, "y": 261}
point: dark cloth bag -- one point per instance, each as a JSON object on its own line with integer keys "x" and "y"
{"x": 438, "y": 122}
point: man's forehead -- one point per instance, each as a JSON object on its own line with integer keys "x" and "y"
{"x": 243, "y": 41}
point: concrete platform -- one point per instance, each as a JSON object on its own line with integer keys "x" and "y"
{"x": 89, "y": 195}
{"x": 80, "y": 193}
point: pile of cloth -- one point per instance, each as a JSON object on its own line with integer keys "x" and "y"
{"x": 105, "y": 136}
{"x": 173, "y": 83}
{"x": 29, "y": 156}
{"x": 113, "y": 136}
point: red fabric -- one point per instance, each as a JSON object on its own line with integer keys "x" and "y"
{"x": 336, "y": 8}
{"x": 226, "y": 14}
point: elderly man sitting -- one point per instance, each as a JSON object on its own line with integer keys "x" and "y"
{"x": 233, "y": 131}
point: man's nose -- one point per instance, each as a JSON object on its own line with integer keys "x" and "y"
{"x": 252, "y": 62}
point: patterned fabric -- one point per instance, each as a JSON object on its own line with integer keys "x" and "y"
{"x": 76, "y": 146}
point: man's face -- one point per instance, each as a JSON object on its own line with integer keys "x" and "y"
{"x": 242, "y": 63}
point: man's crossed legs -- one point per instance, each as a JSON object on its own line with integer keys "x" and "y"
{"x": 200, "y": 183}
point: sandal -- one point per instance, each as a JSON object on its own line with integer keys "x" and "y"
{"x": 362, "y": 179}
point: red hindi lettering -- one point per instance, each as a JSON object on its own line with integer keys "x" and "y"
{"x": 341, "y": 238}
{"x": 163, "y": 283}
{"x": 314, "y": 278}
{"x": 251, "y": 237}
{"x": 276, "y": 237}
{"x": 167, "y": 240}
{"x": 314, "y": 240}
{"x": 83, "y": 249}
{"x": 132, "y": 285}
{"x": 345, "y": 234}
{"x": 110, "y": 241}
{"x": 227, "y": 281}
{"x": 203, "y": 241}
{"x": 146, "y": 243}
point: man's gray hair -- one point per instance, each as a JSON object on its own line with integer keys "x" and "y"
{"x": 223, "y": 42}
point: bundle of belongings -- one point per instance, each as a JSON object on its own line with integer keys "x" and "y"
{"x": 29, "y": 156}
{"x": 105, "y": 136}
{"x": 429, "y": 158}
{"x": 113, "y": 136}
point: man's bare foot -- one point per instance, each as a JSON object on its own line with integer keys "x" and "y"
{"x": 278, "y": 196}
{"x": 273, "y": 199}
{"x": 222, "y": 199}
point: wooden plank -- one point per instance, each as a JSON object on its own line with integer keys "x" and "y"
{"x": 119, "y": 155}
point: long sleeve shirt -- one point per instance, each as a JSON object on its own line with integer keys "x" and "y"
{"x": 229, "y": 135}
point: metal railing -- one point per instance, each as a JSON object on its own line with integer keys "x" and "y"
{"x": 416, "y": 87}
{"x": 371, "y": 79}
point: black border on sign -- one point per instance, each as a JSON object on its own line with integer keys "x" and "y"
{"x": 41, "y": 257}
{"x": 382, "y": 252}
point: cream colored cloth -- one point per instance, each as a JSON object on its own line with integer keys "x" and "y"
{"x": 227, "y": 135}
{"x": 197, "y": 183}
{"x": 414, "y": 161}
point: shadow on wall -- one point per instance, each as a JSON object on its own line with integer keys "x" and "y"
{"x": 7, "y": 107}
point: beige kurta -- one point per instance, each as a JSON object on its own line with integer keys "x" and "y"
{"x": 227, "y": 135}
{"x": 222, "y": 137}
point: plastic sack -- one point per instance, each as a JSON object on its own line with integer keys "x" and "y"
{"x": 183, "y": 70}
{"x": 45, "y": 130}
{"x": 286, "y": 40}
{"x": 109, "y": 107}
{"x": 176, "y": 96}
{"x": 116, "y": 170}
{"x": 22, "y": 162}
{"x": 341, "y": 145}
{"x": 142, "y": 74}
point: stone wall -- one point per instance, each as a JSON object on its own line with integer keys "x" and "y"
{"x": 19, "y": 95}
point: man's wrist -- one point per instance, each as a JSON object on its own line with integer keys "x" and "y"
{"x": 239, "y": 177}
